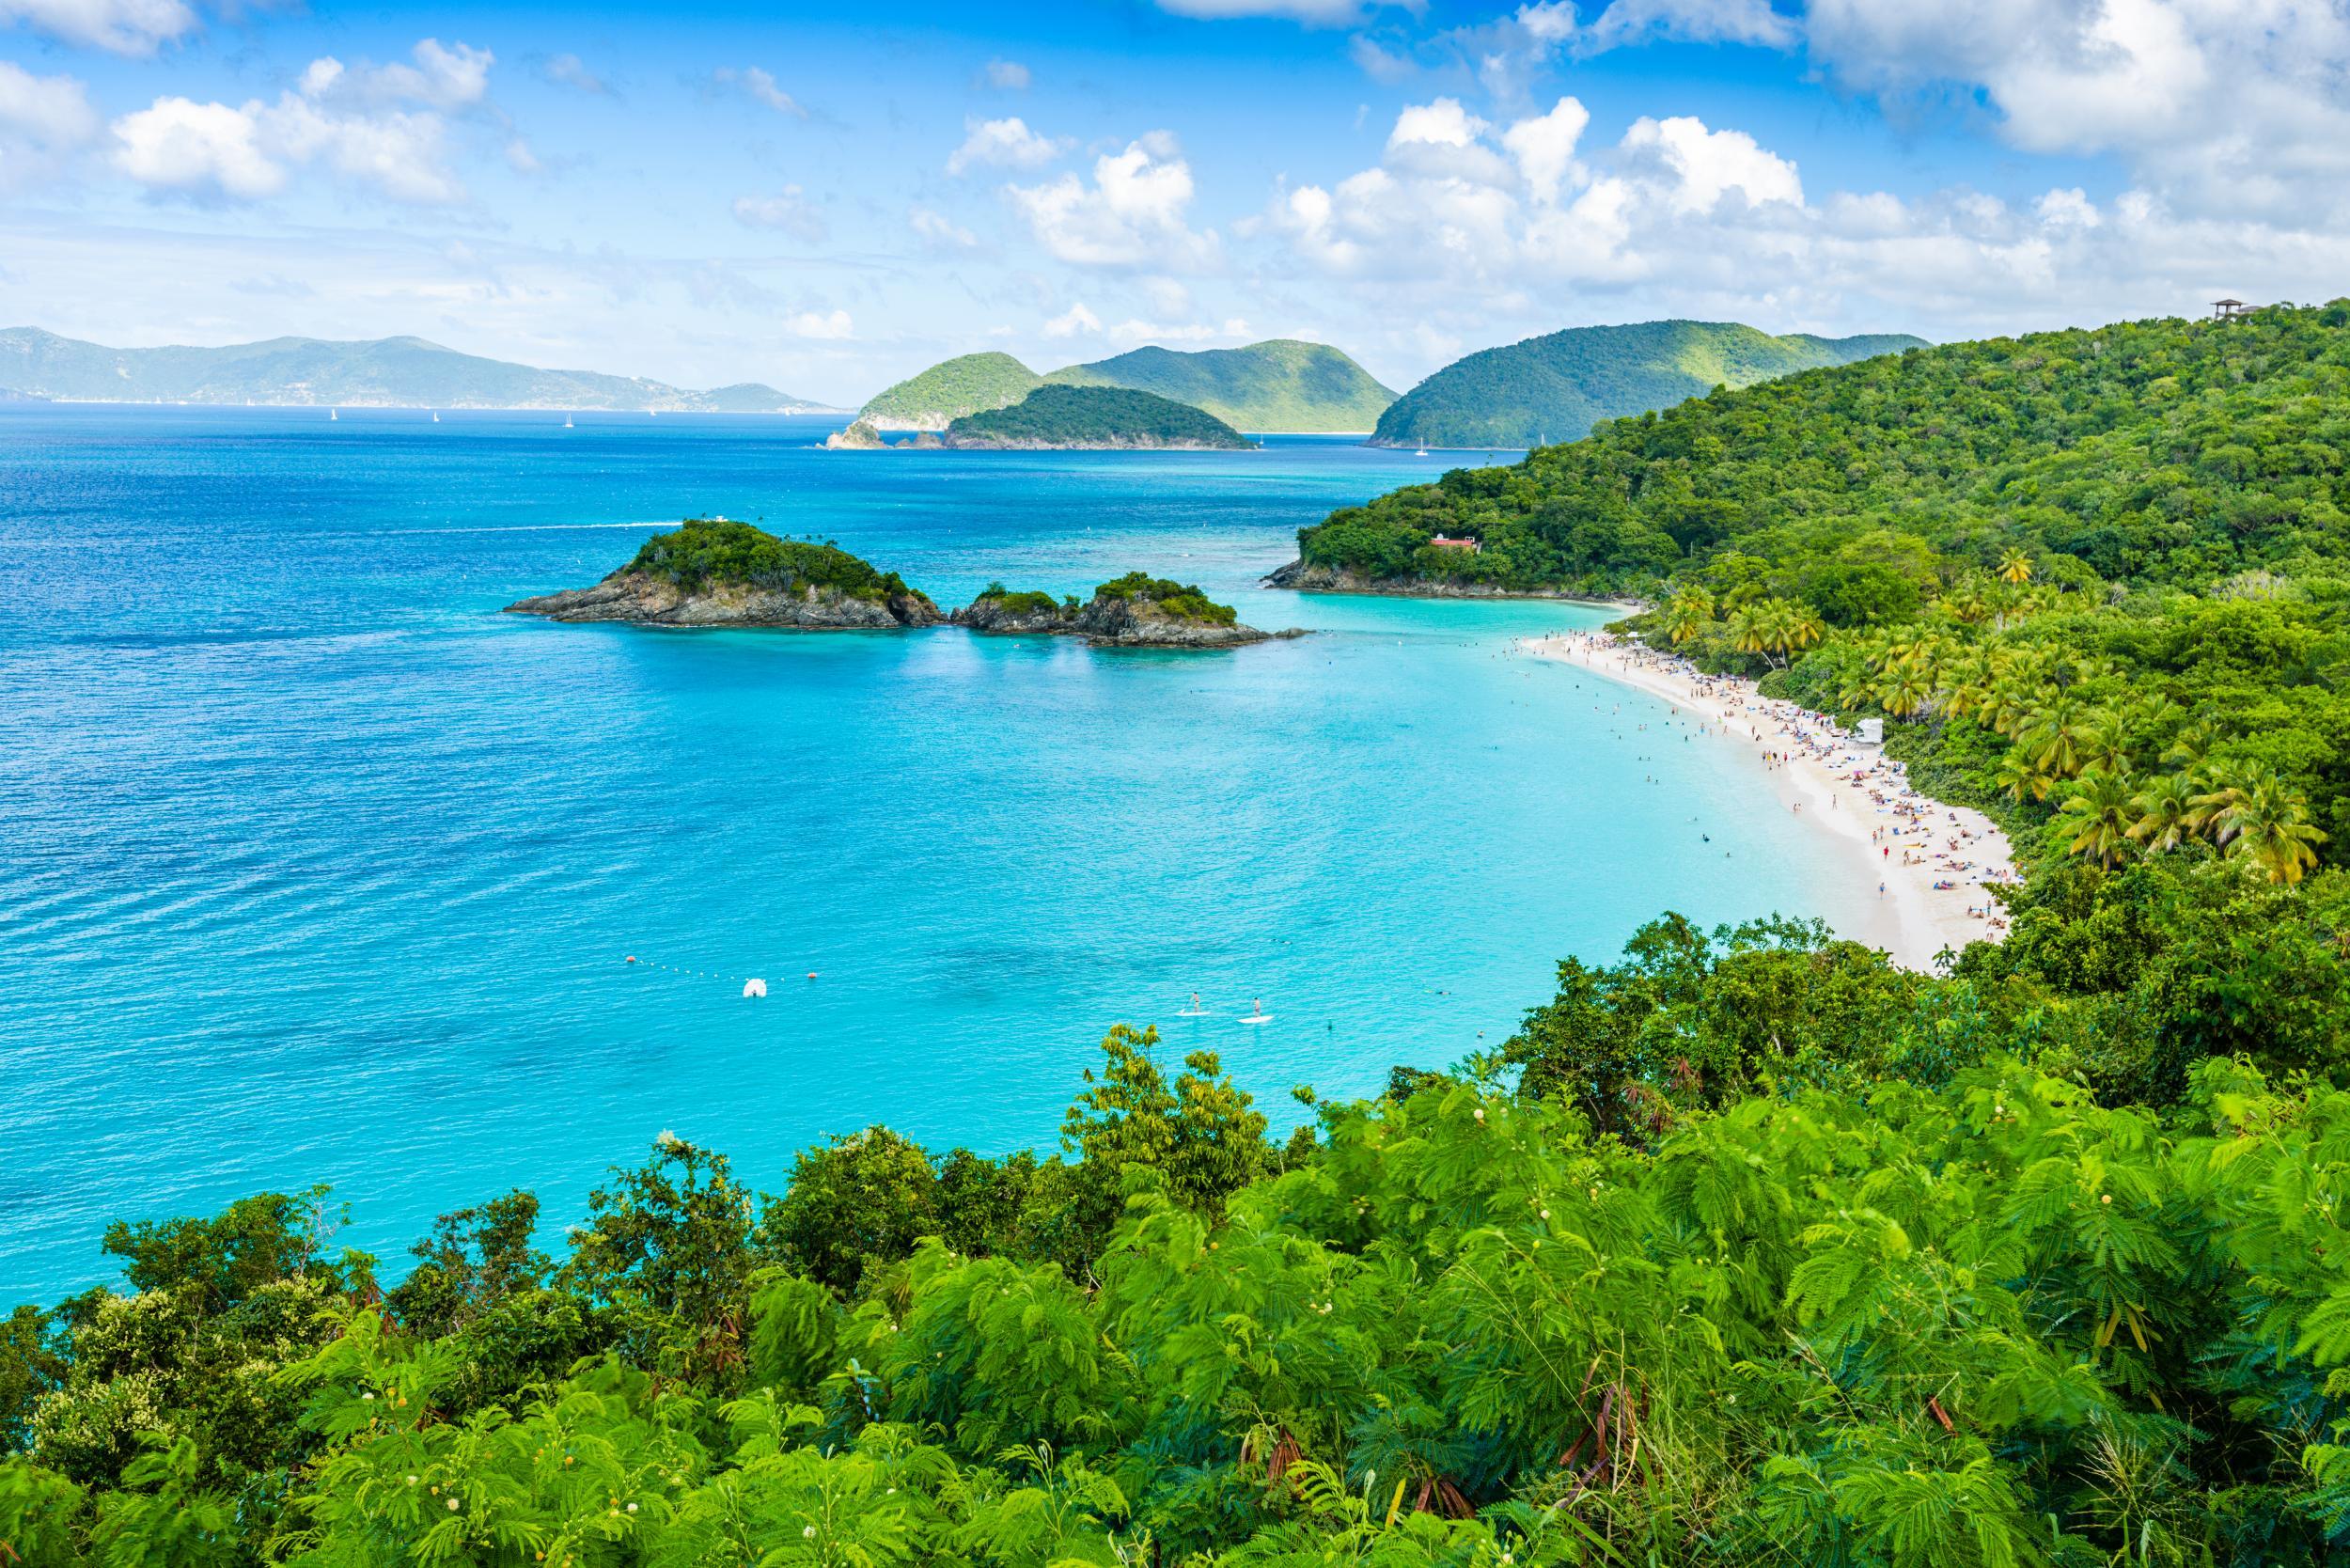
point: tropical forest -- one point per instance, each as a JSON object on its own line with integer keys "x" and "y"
{"x": 1746, "y": 1247}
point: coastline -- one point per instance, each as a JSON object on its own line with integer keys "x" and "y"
{"x": 1857, "y": 824}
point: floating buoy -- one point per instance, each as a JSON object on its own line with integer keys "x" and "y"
{"x": 754, "y": 987}
{"x": 632, "y": 958}
{"x": 811, "y": 973}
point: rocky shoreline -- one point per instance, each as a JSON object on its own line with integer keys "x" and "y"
{"x": 1106, "y": 621}
{"x": 1302, "y": 577}
{"x": 640, "y": 599}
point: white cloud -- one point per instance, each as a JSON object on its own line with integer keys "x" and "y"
{"x": 522, "y": 158}
{"x": 1543, "y": 147}
{"x": 2071, "y": 207}
{"x": 1707, "y": 165}
{"x": 336, "y": 116}
{"x": 1132, "y": 215}
{"x": 1442, "y": 123}
{"x": 761, "y": 87}
{"x": 178, "y": 144}
{"x": 1006, "y": 75}
{"x": 1070, "y": 322}
{"x": 42, "y": 119}
{"x": 938, "y": 231}
{"x": 1005, "y": 143}
{"x": 124, "y": 26}
{"x": 1313, "y": 13}
{"x": 831, "y": 325}
{"x": 2223, "y": 106}
{"x": 788, "y": 210}
{"x": 1541, "y": 214}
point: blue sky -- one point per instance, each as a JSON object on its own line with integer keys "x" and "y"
{"x": 709, "y": 193}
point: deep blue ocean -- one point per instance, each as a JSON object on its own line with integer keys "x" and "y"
{"x": 316, "y": 867}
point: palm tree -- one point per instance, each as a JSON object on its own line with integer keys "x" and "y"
{"x": 1965, "y": 600}
{"x": 1804, "y": 628}
{"x": 2257, "y": 816}
{"x": 1687, "y": 613}
{"x": 2102, "y": 745}
{"x": 2007, "y": 706}
{"x": 2098, "y": 810}
{"x": 2015, "y": 567}
{"x": 2018, "y": 775}
{"x": 2190, "y": 744}
{"x": 2166, "y": 811}
{"x": 2054, "y": 734}
{"x": 1905, "y": 689}
{"x": 1746, "y": 629}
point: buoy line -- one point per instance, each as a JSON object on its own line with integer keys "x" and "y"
{"x": 753, "y": 985}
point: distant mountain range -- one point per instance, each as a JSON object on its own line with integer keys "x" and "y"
{"x": 1281, "y": 384}
{"x": 387, "y": 372}
{"x": 1557, "y": 387}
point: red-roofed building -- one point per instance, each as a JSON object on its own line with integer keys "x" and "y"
{"x": 1441, "y": 543}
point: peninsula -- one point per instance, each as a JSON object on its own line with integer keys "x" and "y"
{"x": 1280, "y": 384}
{"x": 1134, "y": 611}
{"x": 714, "y": 571}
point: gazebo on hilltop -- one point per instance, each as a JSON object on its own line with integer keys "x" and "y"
{"x": 2230, "y": 310}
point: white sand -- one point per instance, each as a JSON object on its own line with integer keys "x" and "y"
{"x": 1812, "y": 775}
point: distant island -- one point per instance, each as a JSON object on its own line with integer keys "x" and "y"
{"x": 385, "y": 372}
{"x": 1134, "y": 611}
{"x": 1063, "y": 418}
{"x": 1556, "y": 388}
{"x": 1280, "y": 384}
{"x": 714, "y": 572}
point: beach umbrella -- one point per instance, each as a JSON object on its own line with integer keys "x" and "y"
{"x": 754, "y": 987}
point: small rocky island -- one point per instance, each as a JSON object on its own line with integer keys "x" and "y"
{"x": 1134, "y": 611}
{"x": 1096, "y": 418}
{"x": 712, "y": 571}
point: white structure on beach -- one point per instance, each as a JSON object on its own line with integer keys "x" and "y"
{"x": 1873, "y": 731}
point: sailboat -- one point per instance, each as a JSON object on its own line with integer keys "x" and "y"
{"x": 436, "y": 416}
{"x": 1422, "y": 452}
{"x": 566, "y": 421}
{"x": 333, "y": 414}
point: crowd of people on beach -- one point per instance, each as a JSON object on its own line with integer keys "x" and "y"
{"x": 1922, "y": 831}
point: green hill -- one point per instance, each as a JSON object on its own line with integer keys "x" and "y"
{"x": 1556, "y": 388}
{"x": 1103, "y": 416}
{"x": 948, "y": 390}
{"x": 1281, "y": 384}
{"x": 388, "y": 372}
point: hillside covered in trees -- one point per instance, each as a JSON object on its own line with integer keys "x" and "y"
{"x": 1557, "y": 387}
{"x": 1749, "y": 1249}
{"x": 1057, "y": 417}
{"x": 1281, "y": 384}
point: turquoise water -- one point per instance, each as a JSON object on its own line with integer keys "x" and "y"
{"x": 318, "y": 868}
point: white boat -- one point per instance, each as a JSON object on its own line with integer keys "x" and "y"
{"x": 1422, "y": 452}
{"x": 436, "y": 416}
{"x": 566, "y": 421}
{"x": 333, "y": 414}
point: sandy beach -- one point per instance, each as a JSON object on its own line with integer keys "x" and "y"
{"x": 1929, "y": 859}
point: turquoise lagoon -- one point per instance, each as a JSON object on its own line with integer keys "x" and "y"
{"x": 318, "y": 869}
